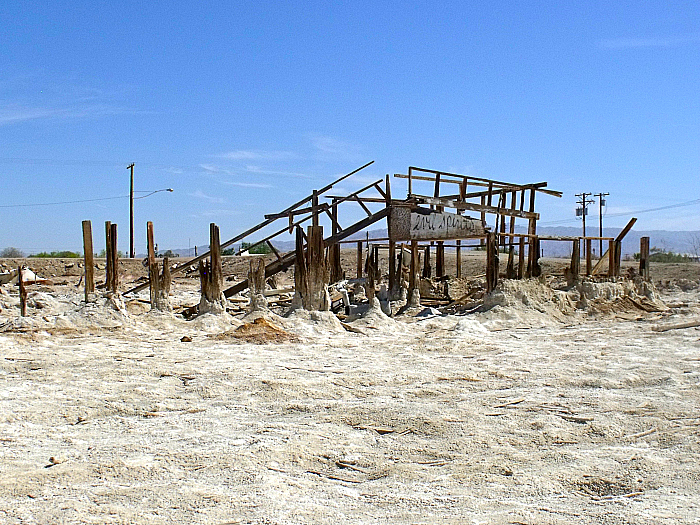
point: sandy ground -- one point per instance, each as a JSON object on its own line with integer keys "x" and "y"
{"x": 537, "y": 410}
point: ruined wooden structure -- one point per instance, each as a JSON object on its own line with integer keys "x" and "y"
{"x": 457, "y": 212}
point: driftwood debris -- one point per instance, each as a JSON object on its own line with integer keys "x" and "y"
{"x": 676, "y": 326}
{"x": 256, "y": 284}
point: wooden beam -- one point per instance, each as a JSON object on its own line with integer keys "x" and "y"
{"x": 450, "y": 203}
{"x": 644, "y": 258}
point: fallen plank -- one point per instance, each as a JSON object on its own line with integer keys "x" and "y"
{"x": 677, "y": 326}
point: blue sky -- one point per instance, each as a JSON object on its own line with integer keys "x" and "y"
{"x": 243, "y": 108}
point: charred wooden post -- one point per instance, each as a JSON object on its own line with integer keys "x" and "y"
{"x": 491, "y": 261}
{"x": 370, "y": 289}
{"x": 108, "y": 255}
{"x": 88, "y": 260}
{"x": 114, "y": 257}
{"x": 22, "y": 293}
{"x": 256, "y": 284}
{"x": 458, "y": 260}
{"x": 300, "y": 268}
{"x": 377, "y": 272}
{"x": 440, "y": 259}
{"x": 211, "y": 276}
{"x": 644, "y": 258}
{"x": 427, "y": 270}
{"x": 536, "y": 269}
{"x": 314, "y": 207}
{"x": 589, "y": 261}
{"x": 521, "y": 257}
{"x": 359, "y": 259}
{"x": 393, "y": 280}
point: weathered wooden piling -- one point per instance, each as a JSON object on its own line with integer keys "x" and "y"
{"x": 575, "y": 260}
{"x": 159, "y": 283}
{"x": 644, "y": 257}
{"x": 491, "y": 261}
{"x": 256, "y": 284}
{"x": 22, "y": 293}
{"x": 521, "y": 257}
{"x": 108, "y": 255}
{"x": 589, "y": 261}
{"x": 211, "y": 276}
{"x": 88, "y": 260}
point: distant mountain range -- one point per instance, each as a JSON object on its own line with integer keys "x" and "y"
{"x": 687, "y": 242}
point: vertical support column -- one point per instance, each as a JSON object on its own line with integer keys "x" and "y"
{"x": 217, "y": 274}
{"x": 589, "y": 262}
{"x": 618, "y": 257}
{"x": 533, "y": 254}
{"x": 359, "y": 259}
{"x": 440, "y": 259}
{"x": 521, "y": 257}
{"x": 458, "y": 255}
{"x": 314, "y": 206}
{"x": 491, "y": 261}
{"x": 483, "y": 219}
{"x": 211, "y": 276}
{"x": 108, "y": 255}
{"x": 576, "y": 260}
{"x": 114, "y": 256}
{"x": 334, "y": 249}
{"x": 88, "y": 260}
{"x": 393, "y": 285}
{"x": 510, "y": 268}
{"x": 412, "y": 278}
{"x": 611, "y": 258}
{"x": 317, "y": 273}
{"x": 22, "y": 293}
{"x": 644, "y": 258}
{"x": 427, "y": 270}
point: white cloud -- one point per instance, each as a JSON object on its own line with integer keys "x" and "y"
{"x": 246, "y": 184}
{"x": 257, "y": 154}
{"x": 631, "y": 43}
{"x": 199, "y": 194}
{"x": 261, "y": 171}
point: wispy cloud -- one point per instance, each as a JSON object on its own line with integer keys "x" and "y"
{"x": 199, "y": 194}
{"x": 13, "y": 114}
{"x": 257, "y": 154}
{"x": 216, "y": 213}
{"x": 261, "y": 171}
{"x": 211, "y": 168}
{"x": 246, "y": 184}
{"x": 633, "y": 42}
{"x": 332, "y": 149}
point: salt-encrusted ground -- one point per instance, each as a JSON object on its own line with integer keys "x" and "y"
{"x": 510, "y": 416}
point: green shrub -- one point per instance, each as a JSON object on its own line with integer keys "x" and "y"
{"x": 11, "y": 253}
{"x": 260, "y": 249}
{"x": 56, "y": 255}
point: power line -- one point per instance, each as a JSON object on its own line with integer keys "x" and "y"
{"x": 148, "y": 194}
{"x": 627, "y": 213}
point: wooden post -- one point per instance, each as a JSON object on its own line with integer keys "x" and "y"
{"x": 153, "y": 280}
{"x": 114, "y": 256}
{"x": 377, "y": 273}
{"x": 618, "y": 257}
{"x": 440, "y": 259}
{"x": 412, "y": 280}
{"x": 336, "y": 268}
{"x": 22, "y": 293}
{"x": 535, "y": 270}
{"x": 88, "y": 260}
{"x": 317, "y": 274}
{"x": 611, "y": 258}
{"x": 314, "y": 206}
{"x": 491, "y": 261}
{"x": 576, "y": 260}
{"x": 458, "y": 255}
{"x": 427, "y": 270}
{"x": 483, "y": 218}
{"x": 211, "y": 276}
{"x": 393, "y": 281}
{"x": 521, "y": 257}
{"x": 510, "y": 267}
{"x": 108, "y": 255}
{"x": 533, "y": 254}
{"x": 589, "y": 261}
{"x": 359, "y": 259}
{"x": 644, "y": 258}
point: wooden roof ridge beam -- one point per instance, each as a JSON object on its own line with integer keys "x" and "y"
{"x": 498, "y": 187}
{"x": 451, "y": 203}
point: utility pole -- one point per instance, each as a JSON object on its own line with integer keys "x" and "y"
{"x": 584, "y": 201}
{"x": 601, "y": 202}
{"x": 132, "y": 253}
